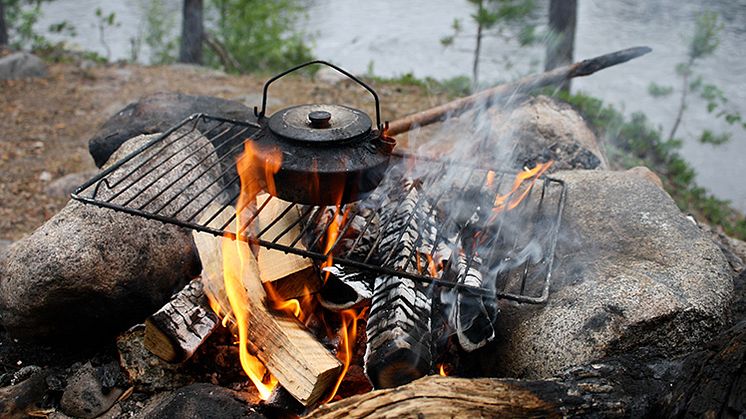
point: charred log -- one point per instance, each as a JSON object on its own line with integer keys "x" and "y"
{"x": 174, "y": 332}
{"x": 398, "y": 329}
{"x": 472, "y": 316}
{"x": 347, "y": 287}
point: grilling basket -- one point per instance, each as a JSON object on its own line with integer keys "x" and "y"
{"x": 324, "y": 156}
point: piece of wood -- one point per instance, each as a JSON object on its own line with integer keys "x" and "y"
{"x": 174, "y": 332}
{"x": 398, "y": 328}
{"x": 472, "y": 315}
{"x": 293, "y": 355}
{"x": 291, "y": 275}
{"x": 705, "y": 383}
{"x": 495, "y": 94}
{"x": 436, "y": 396}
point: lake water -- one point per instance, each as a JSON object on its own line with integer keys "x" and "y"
{"x": 394, "y": 37}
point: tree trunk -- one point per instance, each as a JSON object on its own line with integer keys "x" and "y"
{"x": 477, "y": 50}
{"x": 192, "y": 33}
{"x": 3, "y": 26}
{"x": 562, "y": 18}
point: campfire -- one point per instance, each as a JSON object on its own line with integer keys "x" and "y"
{"x": 336, "y": 270}
{"x": 310, "y": 230}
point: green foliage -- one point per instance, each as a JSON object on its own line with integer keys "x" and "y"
{"x": 706, "y": 38}
{"x": 703, "y": 43}
{"x": 452, "y": 87}
{"x": 709, "y": 137}
{"x": 259, "y": 34}
{"x": 634, "y": 141}
{"x": 20, "y": 17}
{"x": 159, "y": 36}
{"x": 494, "y": 18}
{"x": 657, "y": 90}
{"x": 103, "y": 23}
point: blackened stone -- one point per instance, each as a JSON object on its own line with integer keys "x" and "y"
{"x": 85, "y": 395}
{"x": 205, "y": 401}
{"x": 157, "y": 113}
{"x": 22, "y": 398}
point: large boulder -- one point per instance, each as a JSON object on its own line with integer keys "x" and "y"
{"x": 515, "y": 135}
{"x": 157, "y": 113}
{"x": 90, "y": 271}
{"x": 21, "y": 65}
{"x": 542, "y": 129}
{"x": 631, "y": 271}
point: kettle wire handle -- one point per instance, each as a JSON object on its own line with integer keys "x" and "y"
{"x": 260, "y": 114}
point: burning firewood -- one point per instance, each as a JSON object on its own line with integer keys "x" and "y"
{"x": 174, "y": 332}
{"x": 398, "y": 329}
{"x": 346, "y": 287}
{"x": 291, "y": 275}
{"x": 472, "y": 315}
{"x": 283, "y": 345}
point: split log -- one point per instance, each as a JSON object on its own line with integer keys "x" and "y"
{"x": 299, "y": 362}
{"x": 291, "y": 275}
{"x": 472, "y": 315}
{"x": 174, "y": 332}
{"x": 398, "y": 328}
{"x": 345, "y": 286}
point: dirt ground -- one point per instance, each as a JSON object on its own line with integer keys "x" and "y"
{"x": 45, "y": 124}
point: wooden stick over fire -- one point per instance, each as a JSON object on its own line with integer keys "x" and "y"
{"x": 490, "y": 96}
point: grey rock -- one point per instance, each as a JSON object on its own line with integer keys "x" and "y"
{"x": 542, "y": 129}
{"x": 21, "y": 65}
{"x": 4, "y": 244}
{"x": 22, "y": 398}
{"x": 631, "y": 271}
{"x": 145, "y": 371}
{"x": 85, "y": 396}
{"x": 205, "y": 401}
{"x": 157, "y": 113}
{"x": 512, "y": 136}
{"x": 65, "y": 185}
{"x": 92, "y": 271}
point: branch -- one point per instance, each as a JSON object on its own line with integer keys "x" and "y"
{"x": 493, "y": 95}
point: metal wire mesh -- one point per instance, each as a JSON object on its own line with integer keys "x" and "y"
{"x": 133, "y": 186}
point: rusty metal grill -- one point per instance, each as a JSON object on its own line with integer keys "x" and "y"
{"x": 536, "y": 220}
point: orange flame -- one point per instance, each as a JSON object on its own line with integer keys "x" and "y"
{"x": 432, "y": 268}
{"x": 332, "y": 233}
{"x": 301, "y": 308}
{"x": 235, "y": 254}
{"x": 511, "y": 199}
{"x": 237, "y": 262}
{"x": 442, "y": 370}
{"x": 348, "y": 337}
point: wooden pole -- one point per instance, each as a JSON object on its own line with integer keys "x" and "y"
{"x": 495, "y": 94}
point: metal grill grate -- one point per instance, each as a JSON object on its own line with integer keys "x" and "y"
{"x": 533, "y": 225}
